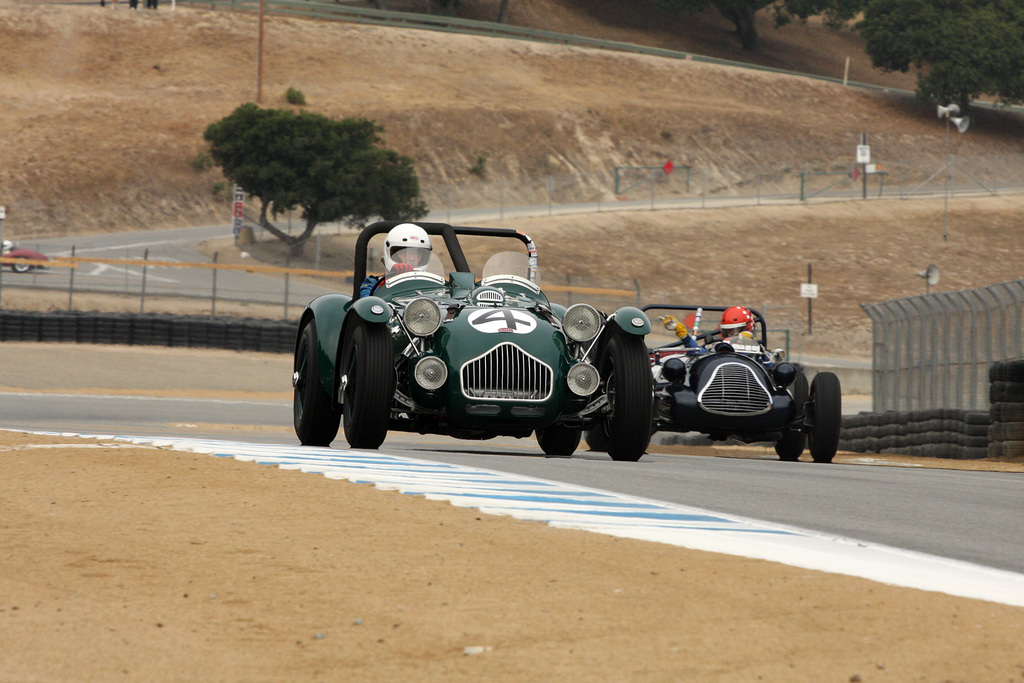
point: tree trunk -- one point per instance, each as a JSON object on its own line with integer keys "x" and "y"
{"x": 295, "y": 243}
{"x": 741, "y": 15}
{"x": 503, "y": 12}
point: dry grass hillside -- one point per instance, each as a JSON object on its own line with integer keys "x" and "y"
{"x": 105, "y": 110}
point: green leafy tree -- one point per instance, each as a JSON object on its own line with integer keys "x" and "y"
{"x": 962, "y": 48}
{"x": 741, "y": 13}
{"x": 333, "y": 170}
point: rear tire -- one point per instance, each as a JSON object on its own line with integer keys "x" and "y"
{"x": 559, "y": 441}
{"x": 791, "y": 446}
{"x": 627, "y": 368}
{"x": 826, "y": 407}
{"x": 316, "y": 420}
{"x": 21, "y": 267}
{"x": 367, "y": 363}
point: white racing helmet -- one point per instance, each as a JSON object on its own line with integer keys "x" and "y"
{"x": 406, "y": 244}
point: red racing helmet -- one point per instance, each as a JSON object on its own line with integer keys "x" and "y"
{"x": 736, "y": 319}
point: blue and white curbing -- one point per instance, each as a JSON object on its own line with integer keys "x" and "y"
{"x": 615, "y": 514}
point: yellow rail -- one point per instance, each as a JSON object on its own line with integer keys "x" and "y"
{"x": 73, "y": 261}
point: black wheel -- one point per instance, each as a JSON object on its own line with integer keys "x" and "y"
{"x": 626, "y": 367}
{"x": 21, "y": 267}
{"x": 316, "y": 420}
{"x": 596, "y": 439}
{"x": 794, "y": 439}
{"x": 1006, "y": 392}
{"x": 369, "y": 373}
{"x": 1007, "y": 412}
{"x": 558, "y": 440}
{"x": 1007, "y": 371}
{"x": 825, "y": 410}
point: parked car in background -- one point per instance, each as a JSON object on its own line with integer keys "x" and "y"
{"x": 470, "y": 352}
{"x": 27, "y": 256}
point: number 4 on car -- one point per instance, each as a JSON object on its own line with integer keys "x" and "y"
{"x": 436, "y": 348}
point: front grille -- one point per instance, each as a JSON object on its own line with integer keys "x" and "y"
{"x": 734, "y": 389}
{"x": 506, "y": 373}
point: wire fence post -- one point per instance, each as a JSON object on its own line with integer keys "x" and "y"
{"x": 71, "y": 280}
{"x": 286, "y": 296}
{"x": 142, "y": 298}
{"x": 213, "y": 291}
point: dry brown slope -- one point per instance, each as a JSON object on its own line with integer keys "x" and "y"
{"x": 106, "y": 108}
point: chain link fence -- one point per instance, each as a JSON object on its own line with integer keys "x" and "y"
{"x": 684, "y": 186}
{"x": 935, "y": 350}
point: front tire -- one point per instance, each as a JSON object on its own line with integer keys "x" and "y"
{"x": 368, "y": 365}
{"x": 316, "y": 420}
{"x": 559, "y": 441}
{"x": 794, "y": 439}
{"x": 826, "y": 408}
{"x": 627, "y": 368}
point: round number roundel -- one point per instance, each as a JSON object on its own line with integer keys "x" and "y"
{"x": 495, "y": 320}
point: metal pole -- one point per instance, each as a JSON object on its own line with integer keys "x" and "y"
{"x": 864, "y": 169}
{"x": 810, "y": 317}
{"x": 71, "y": 280}
{"x": 142, "y": 298}
{"x": 259, "y": 58}
{"x": 3, "y": 215}
{"x": 213, "y": 293}
{"x": 945, "y": 202}
{"x": 286, "y": 296}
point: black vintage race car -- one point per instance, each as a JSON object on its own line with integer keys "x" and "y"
{"x": 469, "y": 353}
{"x": 736, "y": 388}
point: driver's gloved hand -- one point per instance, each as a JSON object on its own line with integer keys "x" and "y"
{"x": 401, "y": 268}
{"x": 674, "y": 325}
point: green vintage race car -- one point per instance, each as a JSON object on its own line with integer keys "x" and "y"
{"x": 468, "y": 356}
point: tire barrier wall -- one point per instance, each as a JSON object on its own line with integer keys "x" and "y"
{"x": 948, "y": 432}
{"x": 150, "y": 329}
{"x": 937, "y": 433}
{"x": 1006, "y": 396}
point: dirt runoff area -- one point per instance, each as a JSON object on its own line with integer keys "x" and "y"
{"x": 146, "y": 564}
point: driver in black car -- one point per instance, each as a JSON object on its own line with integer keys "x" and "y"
{"x": 406, "y": 248}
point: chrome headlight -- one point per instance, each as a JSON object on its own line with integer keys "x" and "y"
{"x": 583, "y": 379}
{"x": 582, "y": 322}
{"x": 430, "y": 372}
{"x": 422, "y": 317}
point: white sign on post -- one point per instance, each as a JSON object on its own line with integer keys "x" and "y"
{"x": 863, "y": 154}
{"x": 808, "y": 290}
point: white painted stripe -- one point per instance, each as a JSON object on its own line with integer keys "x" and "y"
{"x": 606, "y": 512}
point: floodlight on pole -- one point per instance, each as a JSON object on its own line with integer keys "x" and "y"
{"x": 949, "y": 112}
{"x": 931, "y": 277}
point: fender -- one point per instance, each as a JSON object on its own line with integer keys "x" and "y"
{"x": 632, "y": 320}
{"x": 326, "y": 312}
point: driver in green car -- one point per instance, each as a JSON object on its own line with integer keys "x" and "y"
{"x": 406, "y": 248}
